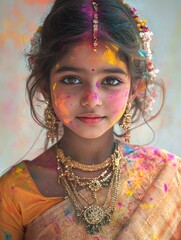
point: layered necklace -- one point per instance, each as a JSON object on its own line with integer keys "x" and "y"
{"x": 94, "y": 215}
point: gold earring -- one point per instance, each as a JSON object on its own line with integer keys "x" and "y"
{"x": 51, "y": 123}
{"x": 126, "y": 122}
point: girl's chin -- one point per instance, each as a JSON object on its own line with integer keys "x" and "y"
{"x": 87, "y": 133}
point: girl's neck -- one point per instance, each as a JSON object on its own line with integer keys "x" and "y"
{"x": 87, "y": 151}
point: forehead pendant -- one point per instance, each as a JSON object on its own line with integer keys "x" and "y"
{"x": 95, "y": 25}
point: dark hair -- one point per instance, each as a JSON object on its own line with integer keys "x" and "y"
{"x": 70, "y": 22}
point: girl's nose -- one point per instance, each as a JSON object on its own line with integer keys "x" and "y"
{"x": 91, "y": 99}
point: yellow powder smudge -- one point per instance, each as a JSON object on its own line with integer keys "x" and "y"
{"x": 57, "y": 66}
{"x": 110, "y": 56}
{"x": 155, "y": 237}
{"x": 54, "y": 86}
{"x": 146, "y": 206}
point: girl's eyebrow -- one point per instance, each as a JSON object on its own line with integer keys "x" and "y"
{"x": 82, "y": 70}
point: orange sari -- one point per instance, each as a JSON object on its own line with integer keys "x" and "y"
{"x": 148, "y": 206}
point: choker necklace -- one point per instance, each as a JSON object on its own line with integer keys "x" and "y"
{"x": 92, "y": 214}
{"x": 68, "y": 161}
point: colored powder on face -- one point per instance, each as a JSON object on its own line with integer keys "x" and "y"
{"x": 118, "y": 117}
{"x": 110, "y": 56}
{"x": 92, "y": 96}
{"x": 54, "y": 86}
{"x": 60, "y": 104}
{"x": 57, "y": 66}
{"x": 165, "y": 187}
{"x": 97, "y": 85}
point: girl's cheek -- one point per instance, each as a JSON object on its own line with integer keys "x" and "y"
{"x": 63, "y": 104}
{"x": 118, "y": 105}
{"x": 118, "y": 100}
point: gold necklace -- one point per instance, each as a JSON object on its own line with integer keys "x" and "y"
{"x": 68, "y": 161}
{"x": 93, "y": 215}
{"x": 93, "y": 184}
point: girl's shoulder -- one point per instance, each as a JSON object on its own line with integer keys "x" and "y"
{"x": 147, "y": 151}
{"x": 15, "y": 181}
{"x": 150, "y": 156}
{"x": 14, "y": 174}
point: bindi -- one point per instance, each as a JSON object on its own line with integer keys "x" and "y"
{"x": 93, "y": 70}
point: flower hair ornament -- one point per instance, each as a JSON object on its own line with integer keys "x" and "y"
{"x": 36, "y": 41}
{"x": 145, "y": 52}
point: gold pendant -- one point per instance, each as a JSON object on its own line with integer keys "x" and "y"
{"x": 95, "y": 185}
{"x": 95, "y": 217}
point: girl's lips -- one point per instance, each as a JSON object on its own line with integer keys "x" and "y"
{"x": 91, "y": 120}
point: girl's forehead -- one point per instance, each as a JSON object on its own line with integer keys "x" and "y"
{"x": 82, "y": 54}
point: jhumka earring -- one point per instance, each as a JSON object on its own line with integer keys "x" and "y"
{"x": 51, "y": 123}
{"x": 126, "y": 122}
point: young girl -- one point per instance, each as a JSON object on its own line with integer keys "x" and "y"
{"x": 91, "y": 69}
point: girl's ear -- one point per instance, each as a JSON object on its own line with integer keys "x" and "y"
{"x": 139, "y": 86}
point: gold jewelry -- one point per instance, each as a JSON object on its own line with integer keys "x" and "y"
{"x": 93, "y": 184}
{"x": 51, "y": 122}
{"x": 93, "y": 215}
{"x": 68, "y": 161}
{"x": 126, "y": 122}
{"x": 95, "y": 25}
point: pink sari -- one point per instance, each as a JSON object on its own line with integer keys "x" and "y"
{"x": 148, "y": 206}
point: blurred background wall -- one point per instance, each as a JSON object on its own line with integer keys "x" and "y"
{"x": 19, "y": 20}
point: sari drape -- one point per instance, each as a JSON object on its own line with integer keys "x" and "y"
{"x": 148, "y": 204}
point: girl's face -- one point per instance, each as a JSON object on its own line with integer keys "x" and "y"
{"x": 89, "y": 90}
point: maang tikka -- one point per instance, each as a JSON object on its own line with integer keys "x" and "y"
{"x": 51, "y": 123}
{"x": 95, "y": 25}
{"x": 126, "y": 122}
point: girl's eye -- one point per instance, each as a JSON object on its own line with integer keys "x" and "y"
{"x": 112, "y": 81}
{"x": 71, "y": 80}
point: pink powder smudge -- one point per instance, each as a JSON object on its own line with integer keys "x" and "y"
{"x": 170, "y": 156}
{"x": 120, "y": 204}
{"x": 165, "y": 187}
{"x": 97, "y": 85}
